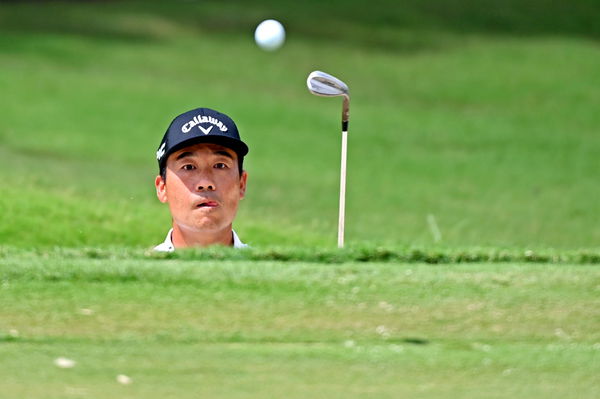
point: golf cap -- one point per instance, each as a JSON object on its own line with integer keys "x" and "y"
{"x": 200, "y": 125}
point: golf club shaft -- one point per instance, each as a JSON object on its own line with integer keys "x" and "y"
{"x": 342, "y": 187}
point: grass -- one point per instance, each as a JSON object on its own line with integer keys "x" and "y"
{"x": 475, "y": 118}
{"x": 364, "y": 253}
{"x": 488, "y": 126}
{"x": 184, "y": 328}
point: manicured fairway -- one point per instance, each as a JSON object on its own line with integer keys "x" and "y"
{"x": 233, "y": 329}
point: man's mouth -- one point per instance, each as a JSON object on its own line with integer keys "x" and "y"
{"x": 207, "y": 204}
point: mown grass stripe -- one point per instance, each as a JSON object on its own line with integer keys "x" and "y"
{"x": 322, "y": 255}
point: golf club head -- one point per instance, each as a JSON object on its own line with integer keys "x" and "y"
{"x": 323, "y": 84}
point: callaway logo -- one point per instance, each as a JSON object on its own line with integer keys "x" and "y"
{"x": 198, "y": 119}
{"x": 205, "y": 131}
{"x": 161, "y": 151}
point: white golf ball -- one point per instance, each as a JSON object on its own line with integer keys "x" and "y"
{"x": 123, "y": 379}
{"x": 269, "y": 35}
{"x": 64, "y": 363}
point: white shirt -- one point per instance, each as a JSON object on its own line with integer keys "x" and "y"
{"x": 167, "y": 245}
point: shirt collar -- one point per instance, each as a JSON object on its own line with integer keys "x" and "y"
{"x": 167, "y": 245}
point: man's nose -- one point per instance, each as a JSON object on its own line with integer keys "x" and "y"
{"x": 205, "y": 183}
{"x": 206, "y": 187}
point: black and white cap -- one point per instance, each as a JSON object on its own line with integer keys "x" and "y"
{"x": 200, "y": 125}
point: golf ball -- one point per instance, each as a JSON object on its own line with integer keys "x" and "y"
{"x": 269, "y": 35}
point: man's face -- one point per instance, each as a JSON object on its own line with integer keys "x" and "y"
{"x": 203, "y": 187}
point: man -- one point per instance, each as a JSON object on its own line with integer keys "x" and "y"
{"x": 202, "y": 179}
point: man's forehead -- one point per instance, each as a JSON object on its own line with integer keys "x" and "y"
{"x": 203, "y": 149}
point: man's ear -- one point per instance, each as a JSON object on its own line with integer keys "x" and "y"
{"x": 243, "y": 179}
{"x": 161, "y": 189}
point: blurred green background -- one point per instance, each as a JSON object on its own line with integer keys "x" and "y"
{"x": 479, "y": 117}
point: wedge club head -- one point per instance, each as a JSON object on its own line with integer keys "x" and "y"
{"x": 323, "y": 84}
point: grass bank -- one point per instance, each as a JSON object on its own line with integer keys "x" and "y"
{"x": 233, "y": 329}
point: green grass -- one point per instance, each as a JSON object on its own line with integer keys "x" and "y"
{"x": 483, "y": 116}
{"x": 186, "y": 328}
{"x": 363, "y": 253}
{"x": 478, "y": 115}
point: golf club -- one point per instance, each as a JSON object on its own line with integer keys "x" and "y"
{"x": 323, "y": 84}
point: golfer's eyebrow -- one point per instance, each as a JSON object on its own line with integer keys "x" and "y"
{"x": 184, "y": 154}
{"x": 191, "y": 154}
{"x": 223, "y": 153}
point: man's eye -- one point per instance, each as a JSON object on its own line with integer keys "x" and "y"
{"x": 188, "y": 167}
{"x": 220, "y": 165}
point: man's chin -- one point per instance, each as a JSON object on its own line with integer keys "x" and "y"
{"x": 206, "y": 225}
